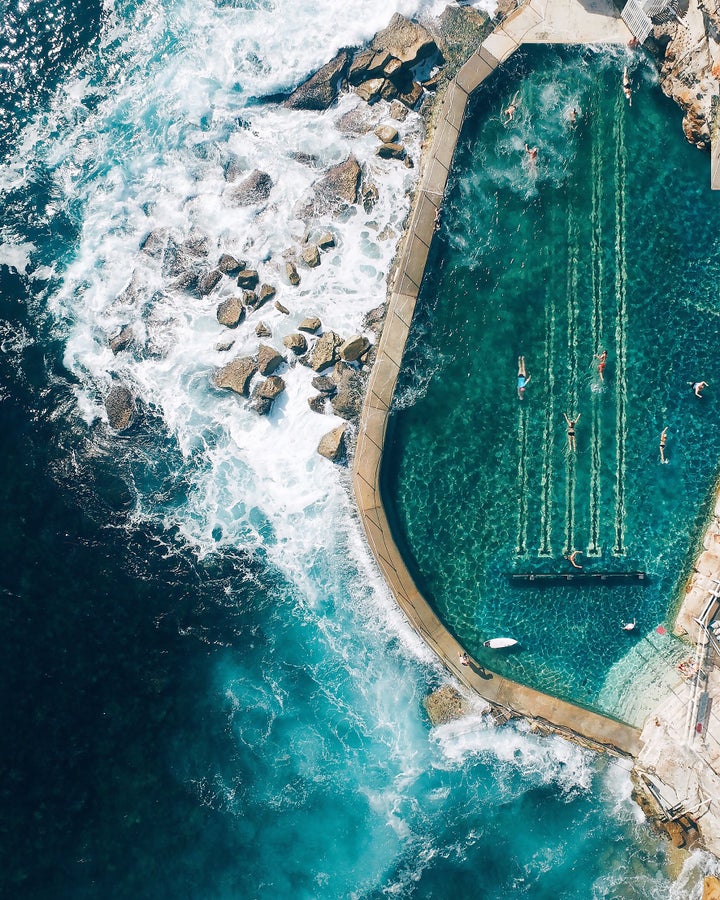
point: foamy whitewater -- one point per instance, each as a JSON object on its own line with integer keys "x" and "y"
{"x": 323, "y": 775}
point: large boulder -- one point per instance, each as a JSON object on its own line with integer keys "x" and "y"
{"x": 334, "y": 192}
{"x": 208, "y": 282}
{"x": 268, "y": 359}
{"x": 324, "y": 353}
{"x": 292, "y": 273}
{"x": 324, "y": 384}
{"x": 237, "y": 375}
{"x": 311, "y": 324}
{"x": 350, "y": 389}
{"x": 296, "y": 342}
{"x": 711, "y": 888}
{"x": 332, "y": 445}
{"x": 266, "y": 292}
{"x": 231, "y": 312}
{"x": 405, "y": 41}
{"x": 320, "y": 90}
{"x": 228, "y": 264}
{"x": 248, "y": 278}
{"x": 120, "y": 407}
{"x": 388, "y": 134}
{"x": 255, "y": 188}
{"x": 353, "y": 348}
{"x": 265, "y": 393}
{"x": 311, "y": 255}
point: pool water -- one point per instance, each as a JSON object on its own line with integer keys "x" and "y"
{"x": 608, "y": 242}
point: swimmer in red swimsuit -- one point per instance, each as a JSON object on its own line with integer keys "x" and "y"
{"x": 602, "y": 362}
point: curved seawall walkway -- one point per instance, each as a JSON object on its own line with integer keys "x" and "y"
{"x": 540, "y": 21}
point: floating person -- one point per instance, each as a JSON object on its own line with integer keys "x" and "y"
{"x": 573, "y": 117}
{"x": 698, "y": 387}
{"x": 511, "y": 109}
{"x": 571, "y": 558}
{"x": 629, "y": 626}
{"x": 663, "y": 441}
{"x": 523, "y": 377}
{"x": 627, "y": 86}
{"x": 602, "y": 362}
{"x": 436, "y": 224}
{"x": 571, "y": 423}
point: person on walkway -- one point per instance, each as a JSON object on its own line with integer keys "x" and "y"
{"x": 571, "y": 423}
{"x": 698, "y": 387}
{"x": 464, "y": 659}
{"x": 663, "y": 441}
{"x": 523, "y": 377}
{"x": 602, "y": 362}
{"x": 627, "y": 87}
{"x": 571, "y": 558}
{"x": 510, "y": 111}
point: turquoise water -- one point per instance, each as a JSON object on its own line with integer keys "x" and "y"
{"x": 608, "y": 244}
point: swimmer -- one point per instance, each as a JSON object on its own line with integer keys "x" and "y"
{"x": 436, "y": 225}
{"x": 698, "y": 387}
{"x": 571, "y": 558}
{"x": 629, "y": 626}
{"x": 627, "y": 89}
{"x": 572, "y": 117}
{"x": 663, "y": 441}
{"x": 571, "y": 423}
{"x": 602, "y": 362}
{"x": 532, "y": 153}
{"x": 510, "y": 111}
{"x": 523, "y": 377}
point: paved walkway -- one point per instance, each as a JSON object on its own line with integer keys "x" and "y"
{"x": 540, "y": 21}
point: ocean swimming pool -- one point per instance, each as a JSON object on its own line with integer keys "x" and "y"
{"x": 606, "y": 244}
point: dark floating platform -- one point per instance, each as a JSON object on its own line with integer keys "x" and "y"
{"x": 574, "y": 577}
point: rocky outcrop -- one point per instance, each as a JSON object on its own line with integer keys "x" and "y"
{"x": 711, "y": 888}
{"x": 292, "y": 273}
{"x": 208, "y": 282}
{"x": 321, "y": 89}
{"x": 229, "y": 265}
{"x": 689, "y": 56}
{"x": 237, "y": 375}
{"x": 248, "y": 278}
{"x": 332, "y": 445}
{"x": 255, "y": 188}
{"x": 120, "y": 407}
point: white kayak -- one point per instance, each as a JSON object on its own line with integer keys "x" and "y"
{"x": 498, "y": 643}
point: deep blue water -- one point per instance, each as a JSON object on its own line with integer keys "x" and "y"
{"x": 178, "y": 723}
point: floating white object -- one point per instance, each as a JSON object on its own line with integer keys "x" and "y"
{"x": 498, "y": 643}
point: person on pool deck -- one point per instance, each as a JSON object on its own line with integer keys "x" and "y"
{"x": 663, "y": 440}
{"x": 571, "y": 423}
{"x": 698, "y": 387}
{"x": 523, "y": 377}
{"x": 571, "y": 558}
{"x": 602, "y": 362}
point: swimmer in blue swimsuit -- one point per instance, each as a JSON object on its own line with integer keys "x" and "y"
{"x": 523, "y": 377}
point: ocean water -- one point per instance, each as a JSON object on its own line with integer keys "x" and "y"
{"x": 588, "y": 250}
{"x": 207, "y": 691}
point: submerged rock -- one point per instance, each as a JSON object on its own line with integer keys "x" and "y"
{"x": 334, "y": 192}
{"x": 122, "y": 340}
{"x": 255, "y": 188}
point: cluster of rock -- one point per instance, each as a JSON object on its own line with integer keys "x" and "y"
{"x": 688, "y": 52}
{"x": 384, "y": 70}
{"x": 390, "y": 68}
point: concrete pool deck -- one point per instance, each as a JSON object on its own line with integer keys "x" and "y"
{"x": 539, "y": 21}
